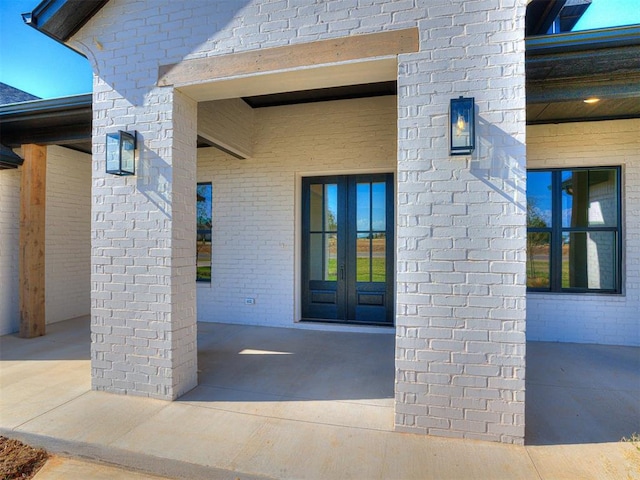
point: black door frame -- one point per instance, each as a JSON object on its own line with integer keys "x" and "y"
{"x": 346, "y": 300}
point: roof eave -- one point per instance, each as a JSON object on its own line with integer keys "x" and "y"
{"x": 583, "y": 40}
{"x": 61, "y": 19}
{"x": 9, "y": 159}
{"x": 47, "y": 106}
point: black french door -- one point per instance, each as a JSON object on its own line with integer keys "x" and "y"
{"x": 347, "y": 248}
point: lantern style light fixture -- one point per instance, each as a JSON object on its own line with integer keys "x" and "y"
{"x": 121, "y": 149}
{"x": 462, "y": 122}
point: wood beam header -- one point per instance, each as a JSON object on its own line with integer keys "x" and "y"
{"x": 310, "y": 54}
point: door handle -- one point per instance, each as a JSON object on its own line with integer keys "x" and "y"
{"x": 341, "y": 272}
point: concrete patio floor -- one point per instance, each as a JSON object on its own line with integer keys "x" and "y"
{"x": 291, "y": 403}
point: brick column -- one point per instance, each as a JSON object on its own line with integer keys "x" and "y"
{"x": 143, "y": 315}
{"x": 460, "y": 341}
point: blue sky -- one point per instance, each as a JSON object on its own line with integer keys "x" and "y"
{"x": 35, "y": 63}
{"x": 38, "y": 65}
{"x": 609, "y": 13}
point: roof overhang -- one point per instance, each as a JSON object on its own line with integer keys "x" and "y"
{"x": 561, "y": 70}
{"x": 9, "y": 159}
{"x": 61, "y": 19}
{"x": 62, "y": 121}
{"x": 58, "y": 121}
{"x": 565, "y": 69}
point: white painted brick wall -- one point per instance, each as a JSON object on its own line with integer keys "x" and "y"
{"x": 184, "y": 348}
{"x": 67, "y": 239}
{"x": 255, "y": 200}
{"x": 143, "y": 250}
{"x": 585, "y": 318}
{"x": 9, "y": 250}
{"x": 461, "y": 273}
{"x": 229, "y": 124}
{"x": 68, "y": 234}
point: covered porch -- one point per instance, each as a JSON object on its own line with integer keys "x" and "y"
{"x": 289, "y": 393}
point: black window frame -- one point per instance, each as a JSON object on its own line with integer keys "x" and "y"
{"x": 556, "y": 231}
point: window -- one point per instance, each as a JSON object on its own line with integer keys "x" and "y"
{"x": 203, "y": 236}
{"x": 573, "y": 230}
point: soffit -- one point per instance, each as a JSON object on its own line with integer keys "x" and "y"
{"x": 61, "y": 19}
{"x": 563, "y": 70}
{"x": 59, "y": 121}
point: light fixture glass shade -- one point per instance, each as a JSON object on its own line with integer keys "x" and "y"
{"x": 120, "y": 153}
{"x": 462, "y": 122}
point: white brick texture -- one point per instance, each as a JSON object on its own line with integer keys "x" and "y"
{"x": 67, "y": 234}
{"x": 9, "y": 250}
{"x": 460, "y": 350}
{"x": 143, "y": 250}
{"x": 606, "y": 319}
{"x": 67, "y": 239}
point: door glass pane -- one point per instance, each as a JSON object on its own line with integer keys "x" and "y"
{"x": 379, "y": 210}
{"x": 539, "y": 199}
{"x": 331, "y": 257}
{"x": 315, "y": 257}
{"x": 378, "y": 257}
{"x": 538, "y": 263}
{"x": 315, "y": 207}
{"x": 588, "y": 260}
{"x": 363, "y": 202}
{"x": 363, "y": 254}
{"x": 331, "y": 207}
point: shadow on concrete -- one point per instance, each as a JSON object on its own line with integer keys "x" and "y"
{"x": 576, "y": 394}
{"x": 251, "y": 363}
{"x": 580, "y": 393}
{"x": 67, "y": 340}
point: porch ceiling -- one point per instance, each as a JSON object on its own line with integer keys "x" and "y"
{"x": 60, "y": 121}
{"x": 564, "y": 70}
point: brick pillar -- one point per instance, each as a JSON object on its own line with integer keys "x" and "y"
{"x": 460, "y": 341}
{"x": 143, "y": 314}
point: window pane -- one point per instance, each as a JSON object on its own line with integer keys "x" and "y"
{"x": 204, "y": 221}
{"x": 379, "y": 204}
{"x": 315, "y": 207}
{"x": 203, "y": 257}
{"x": 538, "y": 260}
{"x": 539, "y": 199}
{"x": 331, "y": 207}
{"x": 575, "y": 198}
{"x": 589, "y": 260}
{"x": 603, "y": 198}
{"x": 363, "y": 248}
{"x": 331, "y": 257}
{"x": 589, "y": 198}
{"x": 363, "y": 209}
{"x": 203, "y": 206}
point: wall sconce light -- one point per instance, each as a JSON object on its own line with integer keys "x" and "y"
{"x": 462, "y": 120}
{"x": 121, "y": 149}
